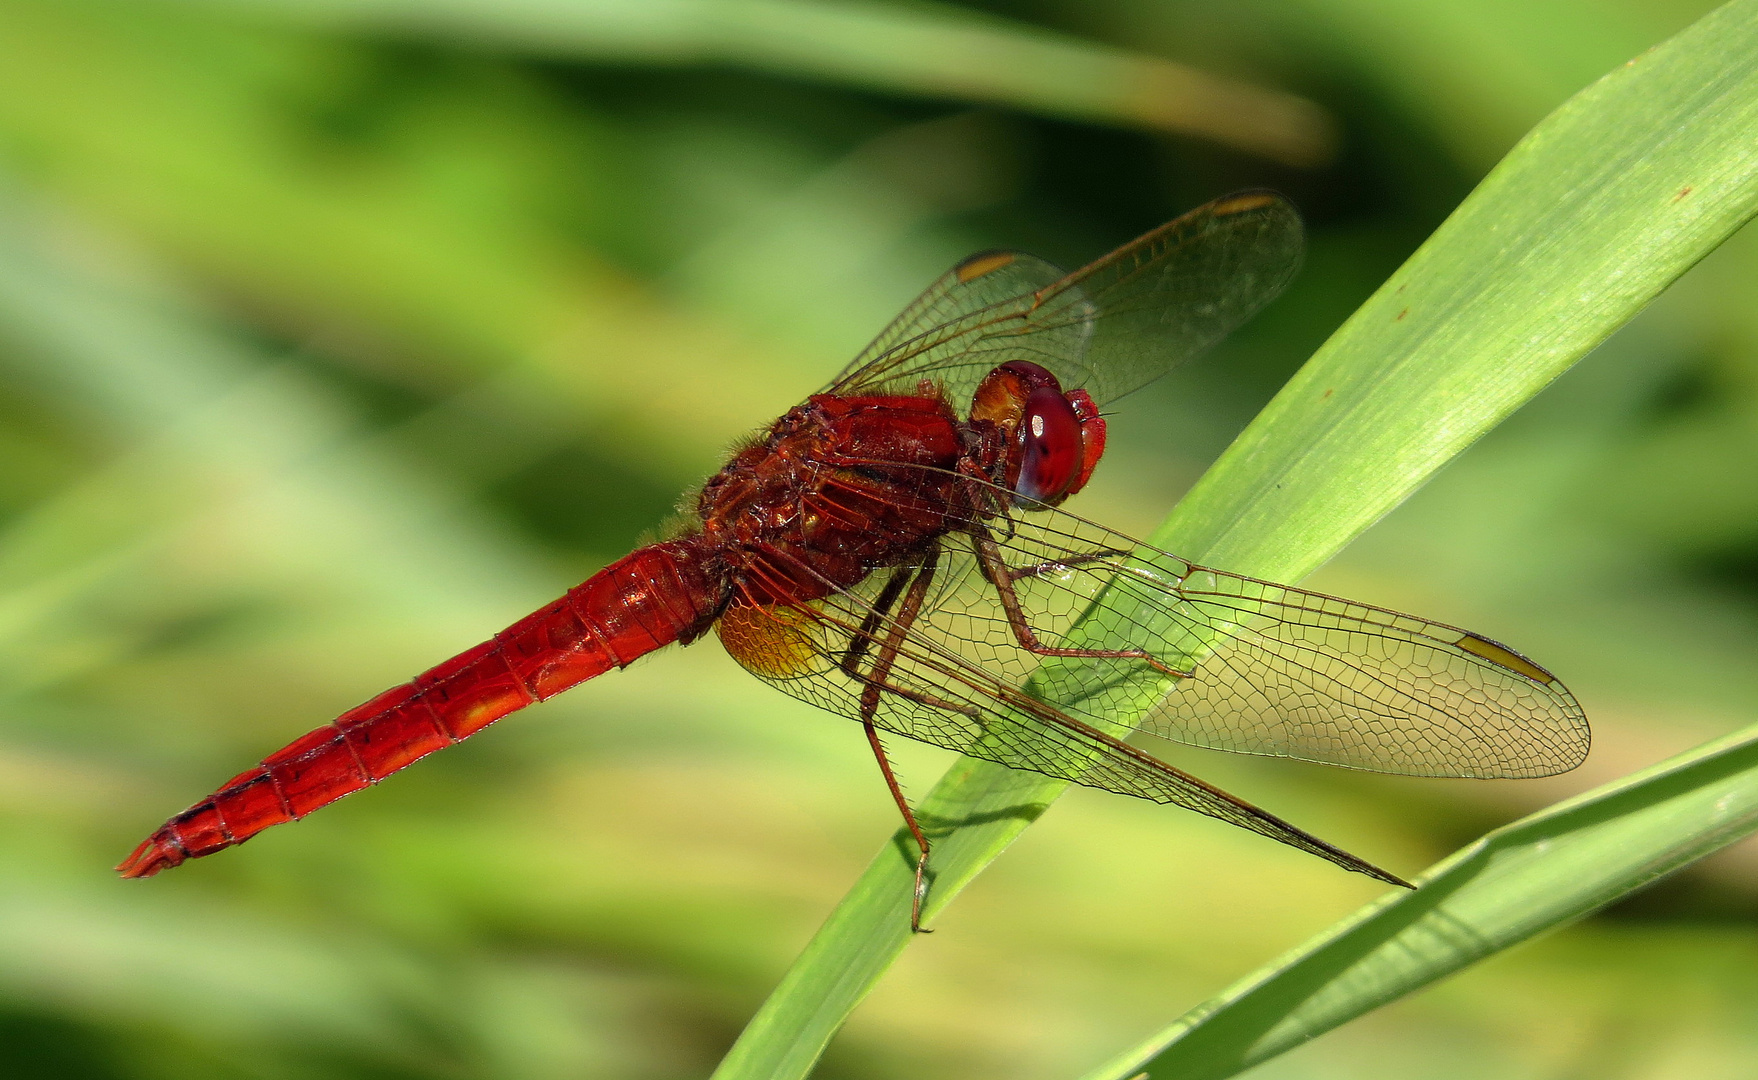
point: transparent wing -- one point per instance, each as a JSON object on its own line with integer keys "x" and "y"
{"x": 1271, "y": 669}
{"x": 851, "y": 654}
{"x": 1266, "y": 668}
{"x": 1108, "y": 328}
{"x": 983, "y": 281}
{"x": 1263, "y": 668}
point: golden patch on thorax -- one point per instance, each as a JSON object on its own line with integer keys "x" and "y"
{"x": 771, "y": 642}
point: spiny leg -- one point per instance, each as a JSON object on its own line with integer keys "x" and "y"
{"x": 882, "y": 606}
{"x": 864, "y": 637}
{"x": 1001, "y": 576}
{"x": 870, "y": 695}
{"x": 1060, "y": 565}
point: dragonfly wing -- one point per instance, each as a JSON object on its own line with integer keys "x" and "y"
{"x": 943, "y": 697}
{"x": 981, "y": 282}
{"x": 1266, "y": 669}
{"x": 1304, "y": 675}
{"x": 1271, "y": 669}
{"x": 1110, "y": 327}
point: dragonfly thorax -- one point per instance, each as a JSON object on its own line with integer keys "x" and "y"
{"x": 835, "y": 489}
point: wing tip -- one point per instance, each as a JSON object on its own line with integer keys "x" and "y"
{"x": 1386, "y": 876}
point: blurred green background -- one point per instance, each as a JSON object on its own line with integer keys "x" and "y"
{"x": 337, "y": 334}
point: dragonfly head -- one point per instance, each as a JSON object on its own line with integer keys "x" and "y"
{"x": 1051, "y": 440}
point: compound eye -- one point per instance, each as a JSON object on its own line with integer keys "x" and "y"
{"x": 1050, "y": 446}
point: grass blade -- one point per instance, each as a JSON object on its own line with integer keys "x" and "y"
{"x": 921, "y": 49}
{"x": 1517, "y": 881}
{"x": 1596, "y": 211}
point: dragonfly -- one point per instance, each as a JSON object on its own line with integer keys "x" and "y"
{"x": 893, "y": 550}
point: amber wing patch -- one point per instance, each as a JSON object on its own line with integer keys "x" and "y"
{"x": 986, "y": 263}
{"x": 772, "y": 642}
{"x": 1242, "y": 203}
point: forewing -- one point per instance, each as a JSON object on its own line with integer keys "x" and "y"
{"x": 1268, "y": 669}
{"x": 1108, "y": 328}
{"x": 1303, "y": 675}
{"x": 983, "y": 282}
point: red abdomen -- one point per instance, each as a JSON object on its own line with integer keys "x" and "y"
{"x": 658, "y": 595}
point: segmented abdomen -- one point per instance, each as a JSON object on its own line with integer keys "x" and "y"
{"x": 658, "y": 595}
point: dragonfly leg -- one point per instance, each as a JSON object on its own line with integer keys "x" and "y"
{"x": 876, "y": 682}
{"x": 920, "y": 892}
{"x": 876, "y": 686}
{"x": 867, "y": 635}
{"x": 900, "y": 577}
{"x": 1002, "y": 576}
{"x": 1063, "y": 564}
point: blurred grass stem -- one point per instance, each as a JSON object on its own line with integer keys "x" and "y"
{"x": 921, "y": 50}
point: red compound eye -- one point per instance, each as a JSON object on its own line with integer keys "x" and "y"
{"x": 1051, "y": 449}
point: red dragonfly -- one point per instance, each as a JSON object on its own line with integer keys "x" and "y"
{"x": 891, "y": 550}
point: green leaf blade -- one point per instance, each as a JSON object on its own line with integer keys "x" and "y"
{"x": 1598, "y": 210}
{"x": 1534, "y": 875}
{"x": 1592, "y": 215}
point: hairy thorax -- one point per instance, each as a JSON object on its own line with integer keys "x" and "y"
{"x": 837, "y": 488}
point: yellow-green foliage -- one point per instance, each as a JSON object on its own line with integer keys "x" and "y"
{"x": 336, "y": 334}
